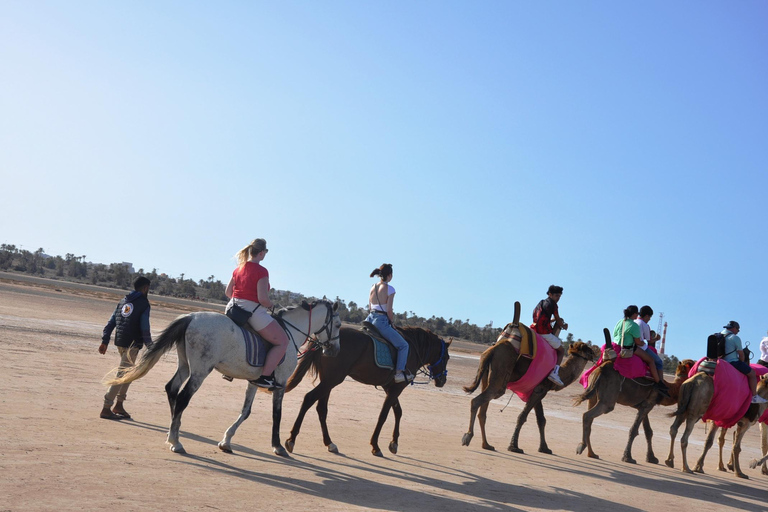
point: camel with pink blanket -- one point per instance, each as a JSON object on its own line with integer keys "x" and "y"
{"x": 724, "y": 400}
{"x": 502, "y": 367}
{"x": 624, "y": 382}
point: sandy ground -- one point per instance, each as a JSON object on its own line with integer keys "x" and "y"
{"x": 56, "y": 454}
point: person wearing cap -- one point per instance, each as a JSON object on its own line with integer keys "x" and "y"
{"x": 764, "y": 352}
{"x": 734, "y": 354}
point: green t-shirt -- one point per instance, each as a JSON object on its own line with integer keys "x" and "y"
{"x": 631, "y": 331}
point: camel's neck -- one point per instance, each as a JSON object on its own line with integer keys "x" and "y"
{"x": 571, "y": 368}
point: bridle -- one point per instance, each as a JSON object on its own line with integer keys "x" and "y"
{"x": 430, "y": 372}
{"x": 327, "y": 327}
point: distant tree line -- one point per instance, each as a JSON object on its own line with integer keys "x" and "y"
{"x": 117, "y": 275}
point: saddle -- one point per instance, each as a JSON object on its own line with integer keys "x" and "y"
{"x": 255, "y": 347}
{"x": 526, "y": 346}
{"x": 383, "y": 352}
{"x": 731, "y": 398}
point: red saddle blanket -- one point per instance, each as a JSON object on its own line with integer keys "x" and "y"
{"x": 732, "y": 397}
{"x": 541, "y": 365}
{"x": 631, "y": 367}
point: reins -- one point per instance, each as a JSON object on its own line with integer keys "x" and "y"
{"x": 430, "y": 373}
{"x": 315, "y": 342}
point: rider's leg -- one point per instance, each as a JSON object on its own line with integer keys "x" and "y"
{"x": 381, "y": 322}
{"x": 275, "y": 335}
{"x": 556, "y": 344}
{"x": 642, "y": 354}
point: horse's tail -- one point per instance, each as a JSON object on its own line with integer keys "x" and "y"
{"x": 482, "y": 369}
{"x": 309, "y": 361}
{"x": 172, "y": 334}
{"x": 591, "y": 389}
{"x": 683, "y": 400}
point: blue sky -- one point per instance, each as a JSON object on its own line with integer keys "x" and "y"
{"x": 485, "y": 149}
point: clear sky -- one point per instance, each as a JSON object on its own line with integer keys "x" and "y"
{"x": 485, "y": 149}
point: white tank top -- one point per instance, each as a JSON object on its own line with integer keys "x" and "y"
{"x": 381, "y": 306}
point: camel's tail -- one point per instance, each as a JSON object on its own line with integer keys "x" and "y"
{"x": 172, "y": 334}
{"x": 591, "y": 389}
{"x": 683, "y": 400}
{"x": 482, "y": 369}
{"x": 309, "y": 361}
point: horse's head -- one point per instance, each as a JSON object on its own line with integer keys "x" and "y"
{"x": 322, "y": 321}
{"x": 328, "y": 334}
{"x": 438, "y": 371}
{"x": 581, "y": 349}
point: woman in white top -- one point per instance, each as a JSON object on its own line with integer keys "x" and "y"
{"x": 380, "y": 300}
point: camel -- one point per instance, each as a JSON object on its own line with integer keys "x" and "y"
{"x": 694, "y": 398}
{"x": 750, "y": 418}
{"x": 500, "y": 365}
{"x": 764, "y": 447}
{"x": 607, "y": 388}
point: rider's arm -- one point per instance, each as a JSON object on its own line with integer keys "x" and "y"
{"x": 741, "y": 355}
{"x": 230, "y": 287}
{"x": 390, "y": 314}
{"x": 262, "y": 290}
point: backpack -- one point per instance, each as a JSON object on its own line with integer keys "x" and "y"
{"x": 716, "y": 346}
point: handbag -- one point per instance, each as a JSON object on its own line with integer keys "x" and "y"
{"x": 239, "y": 314}
{"x": 628, "y": 352}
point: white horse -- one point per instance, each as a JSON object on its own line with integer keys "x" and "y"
{"x": 207, "y": 341}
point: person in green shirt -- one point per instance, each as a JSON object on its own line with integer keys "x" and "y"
{"x": 631, "y": 340}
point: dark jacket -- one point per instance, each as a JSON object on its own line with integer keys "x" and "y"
{"x": 130, "y": 321}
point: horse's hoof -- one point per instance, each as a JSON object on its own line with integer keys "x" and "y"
{"x": 279, "y": 450}
{"x": 225, "y": 448}
{"x": 289, "y": 445}
{"x": 377, "y": 453}
{"x": 651, "y": 460}
{"x": 177, "y": 448}
{"x": 393, "y": 447}
{"x": 514, "y": 449}
{"x": 546, "y": 451}
{"x": 466, "y": 439}
{"x": 333, "y": 448}
{"x": 628, "y": 460}
{"x": 580, "y": 448}
{"x": 670, "y": 463}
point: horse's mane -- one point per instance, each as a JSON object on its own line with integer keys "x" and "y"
{"x": 304, "y": 305}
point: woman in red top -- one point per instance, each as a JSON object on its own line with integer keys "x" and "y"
{"x": 249, "y": 289}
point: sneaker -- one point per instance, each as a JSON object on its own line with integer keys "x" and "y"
{"x": 555, "y": 378}
{"x": 399, "y": 377}
{"x": 757, "y": 399}
{"x": 266, "y": 381}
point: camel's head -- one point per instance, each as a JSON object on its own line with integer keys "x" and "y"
{"x": 582, "y": 349}
{"x": 684, "y": 367}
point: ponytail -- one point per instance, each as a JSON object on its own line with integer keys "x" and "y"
{"x": 631, "y": 310}
{"x": 385, "y": 270}
{"x": 250, "y": 250}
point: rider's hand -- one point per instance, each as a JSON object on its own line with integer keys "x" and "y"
{"x": 103, "y": 348}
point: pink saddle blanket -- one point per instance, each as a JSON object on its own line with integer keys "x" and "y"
{"x": 732, "y": 397}
{"x": 631, "y": 367}
{"x": 541, "y": 366}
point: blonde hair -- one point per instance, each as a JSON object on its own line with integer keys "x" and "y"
{"x": 250, "y": 250}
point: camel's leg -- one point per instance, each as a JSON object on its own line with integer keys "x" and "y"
{"x": 741, "y": 429}
{"x": 182, "y": 401}
{"x": 225, "y": 445}
{"x": 764, "y": 446}
{"x": 392, "y": 394}
{"x": 521, "y": 419}
{"x": 707, "y": 445}
{"x": 599, "y": 409}
{"x": 634, "y": 430}
{"x": 720, "y": 445}
{"x": 486, "y": 396}
{"x": 541, "y": 421}
{"x": 398, "y": 411}
{"x": 481, "y": 417}
{"x": 670, "y": 462}
{"x": 690, "y": 424}
{"x": 649, "y": 456}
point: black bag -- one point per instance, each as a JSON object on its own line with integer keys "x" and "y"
{"x": 716, "y": 345}
{"x": 238, "y": 314}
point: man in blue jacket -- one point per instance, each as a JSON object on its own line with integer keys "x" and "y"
{"x": 130, "y": 321}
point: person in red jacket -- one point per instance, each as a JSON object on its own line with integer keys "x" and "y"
{"x": 542, "y": 324}
{"x": 249, "y": 289}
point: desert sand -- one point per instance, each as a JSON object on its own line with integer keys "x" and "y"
{"x": 56, "y": 454}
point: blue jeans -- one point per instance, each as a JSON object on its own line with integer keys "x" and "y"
{"x": 381, "y": 322}
{"x": 656, "y": 359}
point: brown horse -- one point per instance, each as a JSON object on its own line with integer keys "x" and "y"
{"x": 495, "y": 385}
{"x": 607, "y": 388}
{"x": 356, "y": 359}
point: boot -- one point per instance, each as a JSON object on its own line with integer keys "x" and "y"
{"x": 106, "y": 414}
{"x": 120, "y": 411}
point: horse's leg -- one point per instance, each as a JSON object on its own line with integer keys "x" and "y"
{"x": 277, "y": 414}
{"x": 598, "y": 409}
{"x": 521, "y": 419}
{"x": 670, "y": 462}
{"x": 720, "y": 445}
{"x": 322, "y": 415}
{"x": 741, "y": 429}
{"x": 541, "y": 422}
{"x": 181, "y": 375}
{"x": 634, "y": 430}
{"x": 699, "y": 468}
{"x": 224, "y": 445}
{"x": 396, "y": 433}
{"x": 648, "y": 431}
{"x": 392, "y": 395}
{"x": 309, "y": 399}
{"x": 182, "y": 401}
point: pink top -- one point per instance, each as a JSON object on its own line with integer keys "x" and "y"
{"x": 246, "y": 278}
